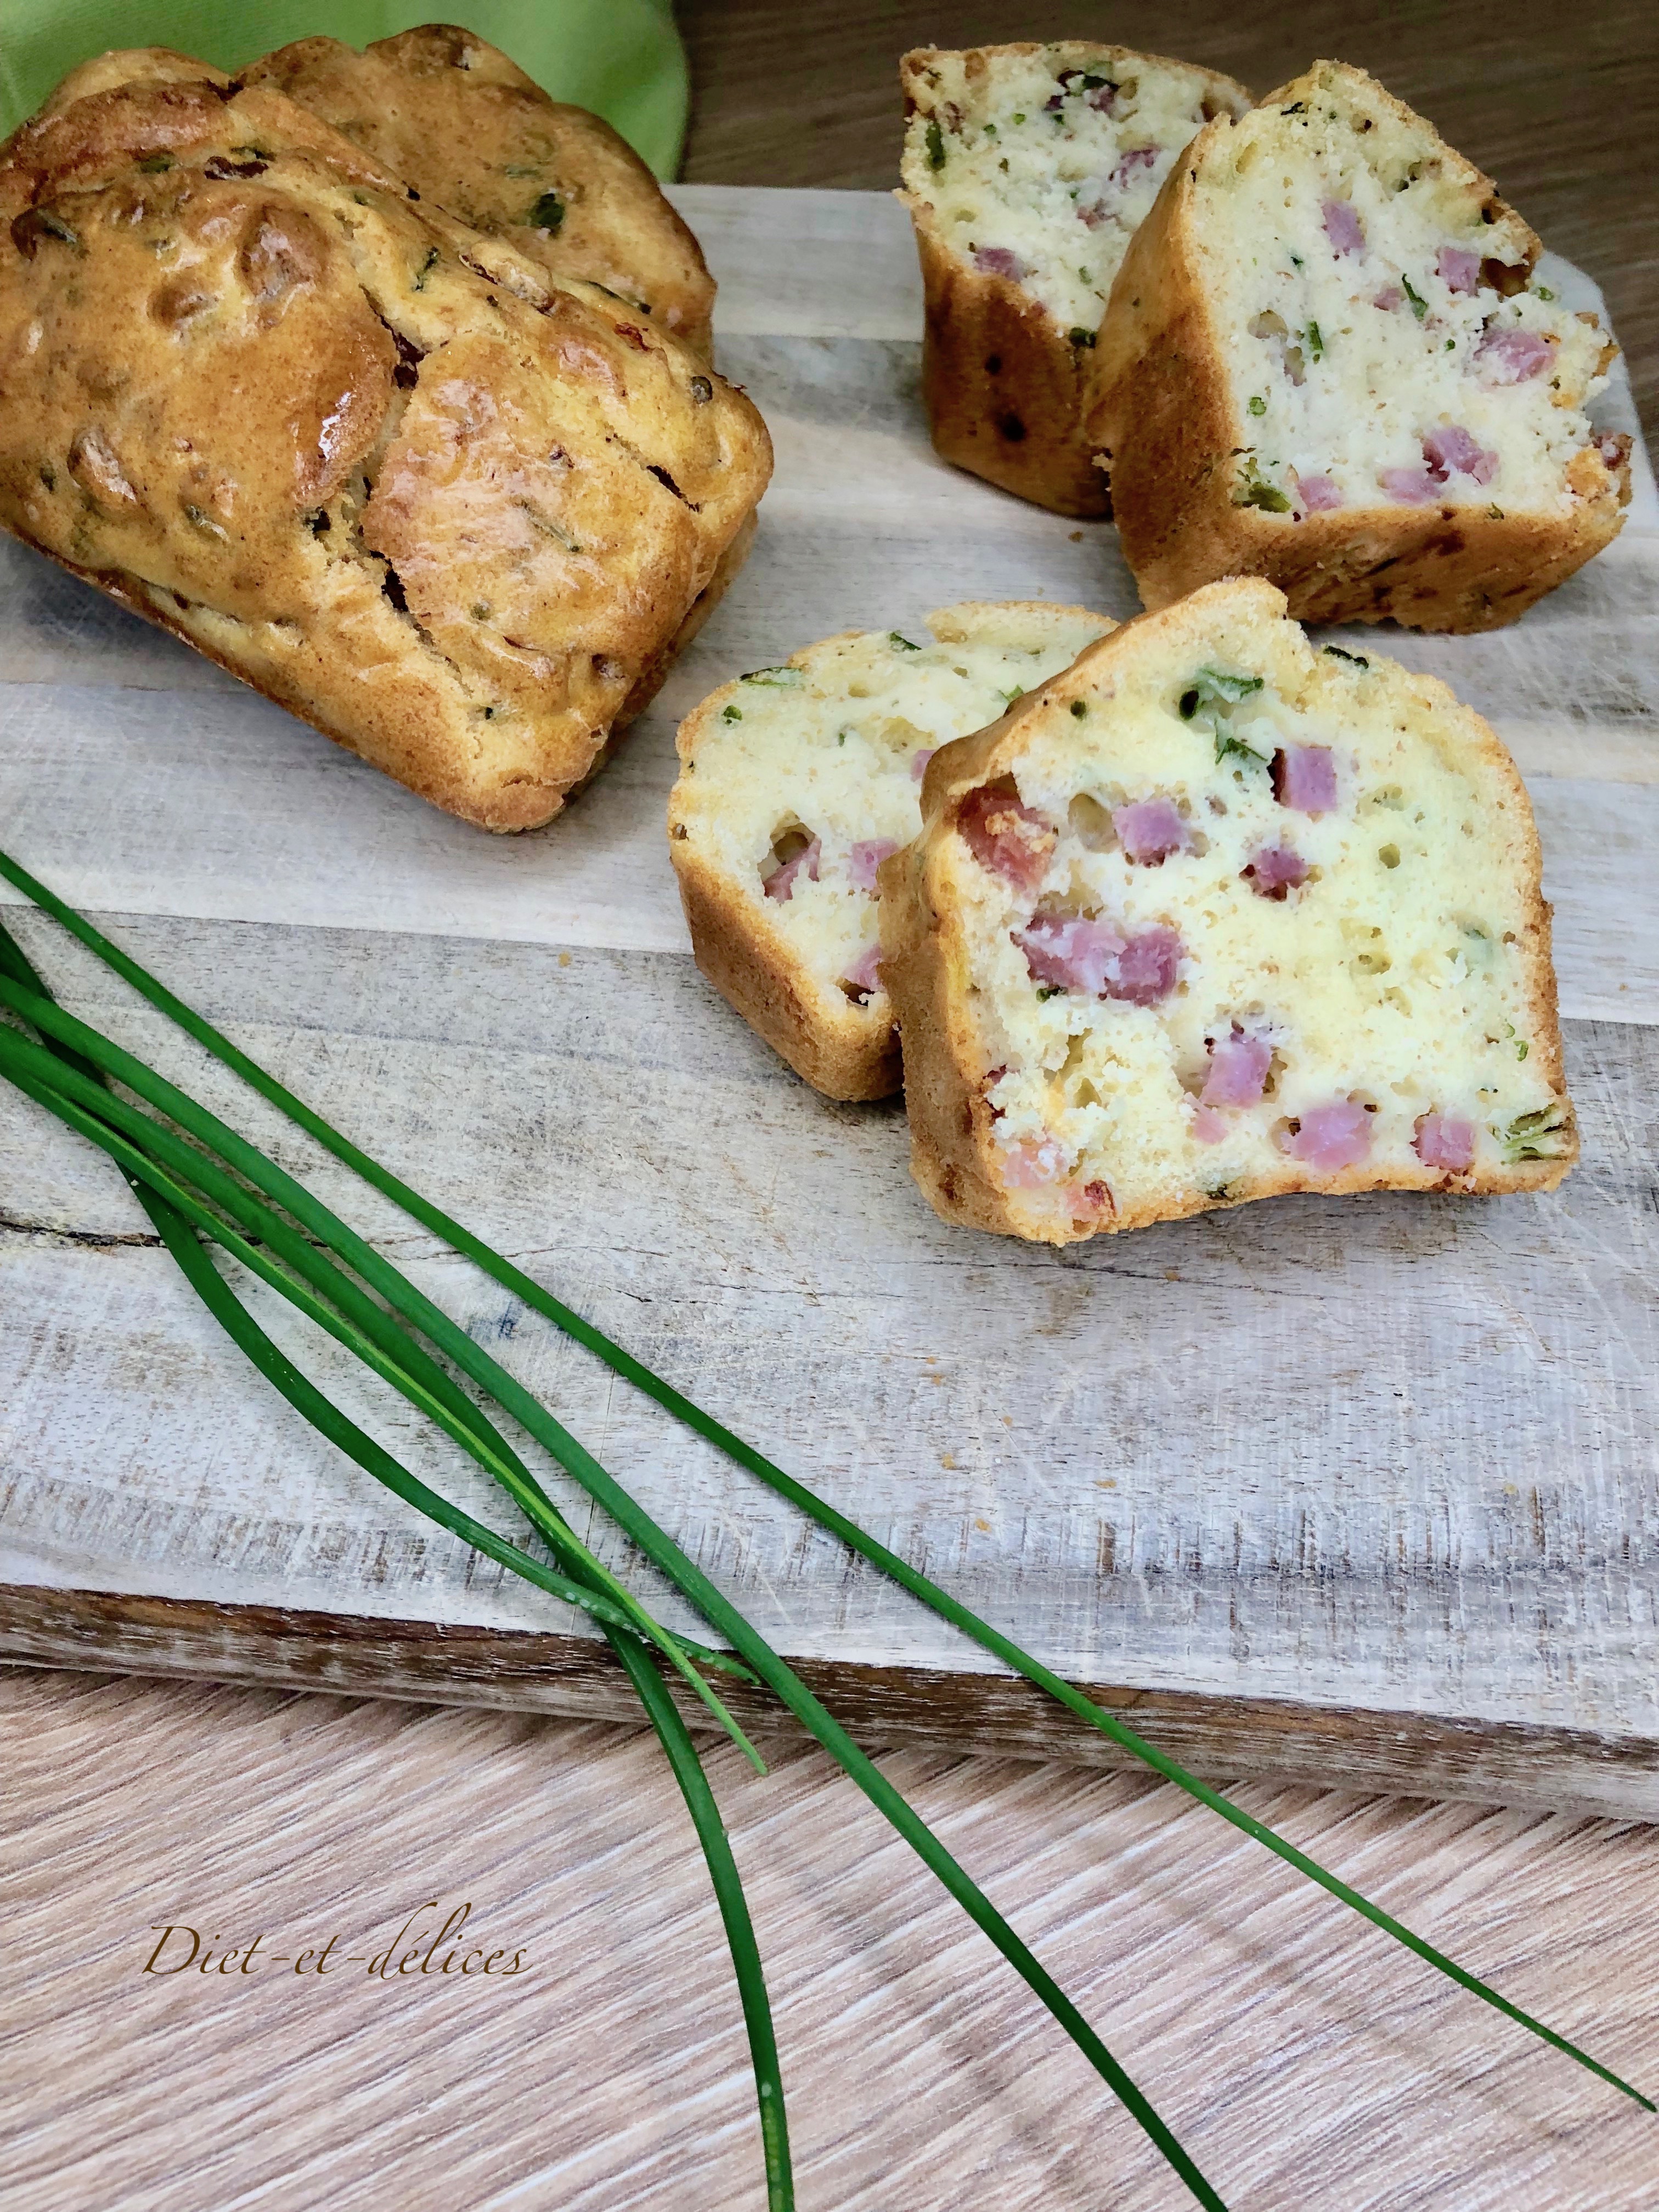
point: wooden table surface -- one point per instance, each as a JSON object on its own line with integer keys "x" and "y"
{"x": 1304, "y": 2062}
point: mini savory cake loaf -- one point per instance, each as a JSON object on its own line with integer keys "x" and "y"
{"x": 470, "y": 130}
{"x": 1026, "y": 169}
{"x": 374, "y": 464}
{"x": 1326, "y": 362}
{"x": 797, "y": 782}
{"x": 1214, "y": 915}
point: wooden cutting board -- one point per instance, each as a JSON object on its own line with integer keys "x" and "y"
{"x": 1357, "y": 1488}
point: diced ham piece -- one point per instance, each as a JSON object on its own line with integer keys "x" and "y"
{"x": 1512, "y": 355}
{"x": 1318, "y": 495}
{"x": 1145, "y": 970}
{"x": 1451, "y": 447}
{"x": 1238, "y": 1069}
{"x": 1445, "y": 1140}
{"x": 1460, "y": 269}
{"x": 1389, "y": 298}
{"x": 1613, "y": 448}
{"x": 919, "y": 763}
{"x": 1343, "y": 227}
{"x": 780, "y": 884}
{"x": 865, "y": 974}
{"x": 1150, "y": 830}
{"x": 865, "y": 858}
{"x": 1075, "y": 955}
{"x": 1031, "y": 1163}
{"x": 999, "y": 261}
{"x": 1305, "y": 777}
{"x": 1275, "y": 871}
{"x": 1010, "y": 839}
{"x": 1103, "y": 98}
{"x": 1208, "y": 1126}
{"x": 1411, "y": 487}
{"x": 1331, "y": 1137}
{"x": 1101, "y": 205}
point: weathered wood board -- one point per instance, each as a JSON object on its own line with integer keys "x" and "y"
{"x": 1326, "y": 1488}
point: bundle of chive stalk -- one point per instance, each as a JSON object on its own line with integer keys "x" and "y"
{"x": 202, "y": 1184}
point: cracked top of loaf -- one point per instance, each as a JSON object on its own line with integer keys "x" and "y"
{"x": 465, "y": 125}
{"x": 371, "y": 461}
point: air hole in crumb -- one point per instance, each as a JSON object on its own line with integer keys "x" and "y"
{"x": 392, "y": 585}
{"x": 1091, "y": 824}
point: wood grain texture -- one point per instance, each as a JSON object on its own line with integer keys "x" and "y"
{"x": 1305, "y": 2060}
{"x": 1306, "y": 2064}
{"x": 1391, "y": 1458}
{"x": 1560, "y": 106}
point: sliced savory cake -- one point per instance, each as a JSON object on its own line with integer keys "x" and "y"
{"x": 1327, "y": 361}
{"x": 1026, "y": 170}
{"x": 1212, "y": 915}
{"x": 796, "y": 782}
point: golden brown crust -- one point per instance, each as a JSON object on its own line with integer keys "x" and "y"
{"x": 1164, "y": 422}
{"x": 846, "y": 1052}
{"x": 255, "y": 393}
{"x": 1006, "y": 388}
{"x": 926, "y": 966}
{"x": 467, "y": 127}
{"x": 754, "y": 974}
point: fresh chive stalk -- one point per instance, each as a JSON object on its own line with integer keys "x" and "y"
{"x": 56, "y": 1086}
{"x": 664, "y": 1715}
{"x": 709, "y": 1600}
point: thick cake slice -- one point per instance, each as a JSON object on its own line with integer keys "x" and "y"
{"x": 1214, "y": 915}
{"x": 466, "y": 126}
{"x": 796, "y": 782}
{"x": 1326, "y": 361}
{"x": 1026, "y": 170}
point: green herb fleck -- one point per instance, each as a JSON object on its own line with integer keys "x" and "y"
{"x": 1253, "y": 490}
{"x": 425, "y": 268}
{"x": 1420, "y": 305}
{"x": 1357, "y": 659}
{"x": 153, "y": 164}
{"x": 779, "y": 679}
{"x": 1258, "y": 404}
{"x": 1451, "y": 346}
{"x": 1536, "y": 1136}
{"x": 990, "y": 130}
{"x": 1215, "y": 1190}
{"x": 1315, "y": 343}
{"x": 1017, "y": 693}
{"x": 1226, "y": 744}
{"x": 1521, "y": 1049}
{"x": 1296, "y": 259}
{"x": 1019, "y": 118}
{"x": 1050, "y": 990}
{"x": 903, "y": 644}
{"x": 1543, "y": 291}
{"x": 1079, "y": 336}
{"x": 730, "y": 714}
{"x": 1496, "y": 512}
{"x": 1080, "y": 707}
{"x": 547, "y": 214}
{"x": 935, "y": 145}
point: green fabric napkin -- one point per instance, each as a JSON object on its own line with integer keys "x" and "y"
{"x": 621, "y": 58}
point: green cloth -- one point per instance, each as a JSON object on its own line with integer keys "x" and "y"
{"x": 621, "y": 58}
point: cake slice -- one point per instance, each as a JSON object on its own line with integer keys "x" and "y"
{"x": 1212, "y": 915}
{"x": 1327, "y": 361}
{"x": 1026, "y": 170}
{"x": 796, "y": 782}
